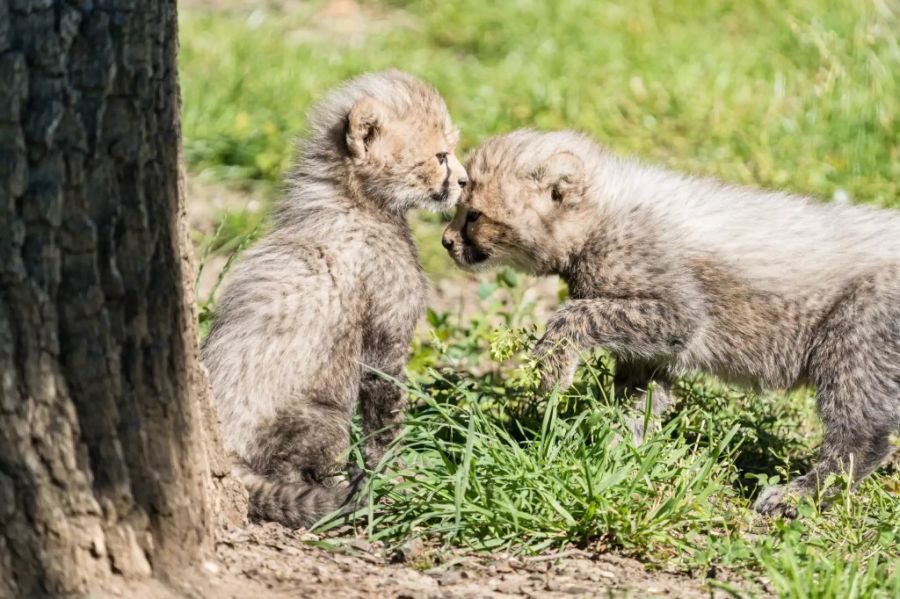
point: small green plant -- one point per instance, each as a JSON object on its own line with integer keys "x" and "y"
{"x": 231, "y": 248}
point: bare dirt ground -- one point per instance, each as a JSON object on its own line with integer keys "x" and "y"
{"x": 272, "y": 561}
{"x": 284, "y": 560}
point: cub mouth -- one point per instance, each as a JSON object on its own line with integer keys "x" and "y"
{"x": 446, "y": 196}
{"x": 472, "y": 254}
{"x": 441, "y": 197}
{"x": 466, "y": 254}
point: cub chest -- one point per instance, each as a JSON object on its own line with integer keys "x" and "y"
{"x": 397, "y": 293}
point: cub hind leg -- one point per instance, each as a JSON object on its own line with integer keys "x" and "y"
{"x": 855, "y": 366}
{"x": 290, "y": 473}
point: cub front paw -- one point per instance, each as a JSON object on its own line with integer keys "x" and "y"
{"x": 556, "y": 364}
{"x": 777, "y": 501}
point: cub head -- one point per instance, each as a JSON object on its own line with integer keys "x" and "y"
{"x": 394, "y": 140}
{"x": 527, "y": 204}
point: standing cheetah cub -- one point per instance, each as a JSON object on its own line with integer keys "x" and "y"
{"x": 672, "y": 273}
{"x": 332, "y": 291}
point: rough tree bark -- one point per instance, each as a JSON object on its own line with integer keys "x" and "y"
{"x": 106, "y": 436}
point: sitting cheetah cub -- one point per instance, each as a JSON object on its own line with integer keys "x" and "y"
{"x": 332, "y": 291}
{"x": 672, "y": 274}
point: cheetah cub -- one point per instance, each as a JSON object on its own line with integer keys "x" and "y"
{"x": 673, "y": 274}
{"x": 330, "y": 295}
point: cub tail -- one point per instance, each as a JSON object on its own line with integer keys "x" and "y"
{"x": 296, "y": 505}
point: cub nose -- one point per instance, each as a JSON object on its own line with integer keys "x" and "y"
{"x": 462, "y": 181}
{"x": 447, "y": 242}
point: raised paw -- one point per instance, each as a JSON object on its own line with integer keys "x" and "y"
{"x": 779, "y": 501}
{"x": 556, "y": 364}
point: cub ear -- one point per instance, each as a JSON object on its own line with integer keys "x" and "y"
{"x": 364, "y": 123}
{"x": 563, "y": 175}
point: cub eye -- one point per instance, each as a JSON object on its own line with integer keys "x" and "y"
{"x": 556, "y": 195}
{"x": 472, "y": 216}
{"x": 442, "y": 157}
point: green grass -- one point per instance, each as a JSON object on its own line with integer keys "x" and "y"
{"x": 801, "y": 94}
{"x": 490, "y": 466}
{"x": 798, "y": 94}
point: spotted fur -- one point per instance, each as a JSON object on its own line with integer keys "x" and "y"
{"x": 674, "y": 273}
{"x": 325, "y": 304}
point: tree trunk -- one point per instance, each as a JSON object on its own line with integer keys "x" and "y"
{"x": 106, "y": 436}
